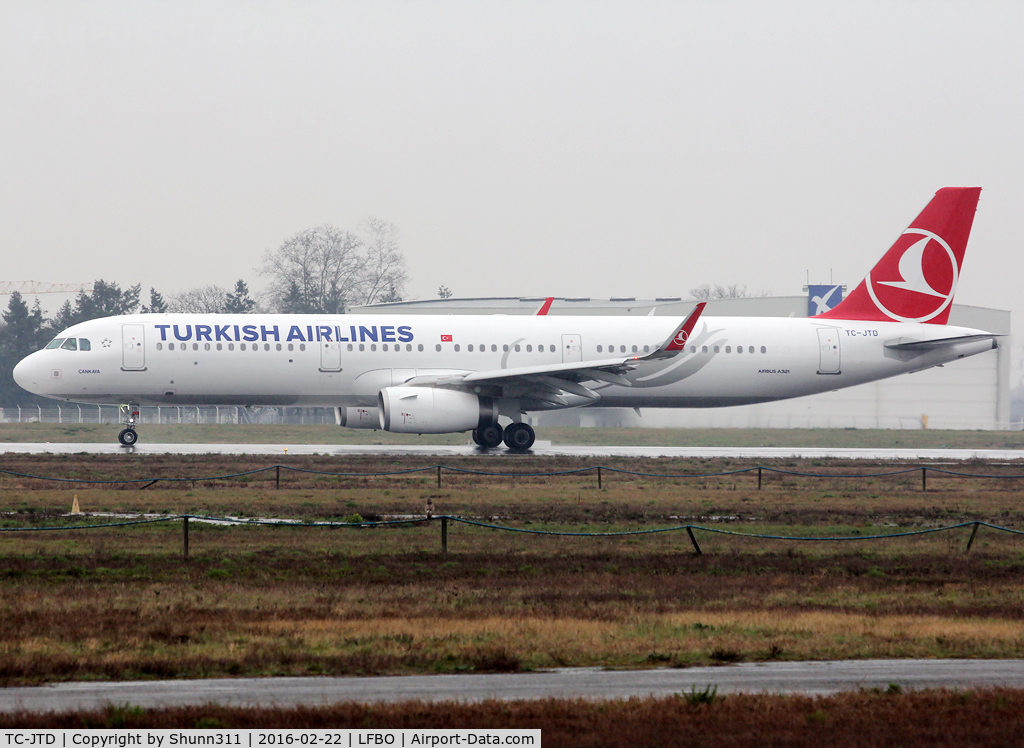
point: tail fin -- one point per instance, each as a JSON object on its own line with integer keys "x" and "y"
{"x": 916, "y": 279}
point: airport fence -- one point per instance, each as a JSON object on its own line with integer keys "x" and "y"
{"x": 168, "y": 414}
{"x": 445, "y": 520}
{"x": 600, "y": 472}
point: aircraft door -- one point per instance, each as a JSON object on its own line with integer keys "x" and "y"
{"x": 828, "y": 350}
{"x": 330, "y": 348}
{"x": 133, "y": 349}
{"x": 572, "y": 349}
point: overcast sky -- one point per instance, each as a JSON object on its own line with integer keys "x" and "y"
{"x": 522, "y": 148}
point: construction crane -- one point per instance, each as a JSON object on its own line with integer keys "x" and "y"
{"x": 33, "y": 288}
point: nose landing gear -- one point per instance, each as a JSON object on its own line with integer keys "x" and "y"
{"x": 129, "y": 417}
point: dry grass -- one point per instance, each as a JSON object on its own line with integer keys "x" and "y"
{"x": 121, "y": 602}
{"x": 852, "y": 720}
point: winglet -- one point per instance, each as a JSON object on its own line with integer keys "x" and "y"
{"x": 677, "y": 340}
{"x": 545, "y": 306}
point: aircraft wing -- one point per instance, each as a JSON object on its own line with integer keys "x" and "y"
{"x": 550, "y": 383}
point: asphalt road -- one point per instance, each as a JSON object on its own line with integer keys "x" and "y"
{"x": 540, "y": 448}
{"x": 592, "y": 683}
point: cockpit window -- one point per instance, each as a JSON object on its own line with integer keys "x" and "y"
{"x": 55, "y": 343}
{"x": 70, "y": 345}
{"x": 84, "y": 344}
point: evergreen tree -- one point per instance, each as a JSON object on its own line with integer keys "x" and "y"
{"x": 64, "y": 318}
{"x": 157, "y": 305}
{"x": 390, "y": 295}
{"x": 107, "y": 300}
{"x": 295, "y": 302}
{"x": 23, "y": 331}
{"x": 239, "y": 301}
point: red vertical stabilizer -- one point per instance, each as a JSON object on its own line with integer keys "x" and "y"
{"x": 916, "y": 279}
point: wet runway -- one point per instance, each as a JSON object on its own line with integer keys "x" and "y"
{"x": 779, "y": 677}
{"x": 540, "y": 448}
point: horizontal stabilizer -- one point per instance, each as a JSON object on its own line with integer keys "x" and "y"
{"x": 909, "y": 344}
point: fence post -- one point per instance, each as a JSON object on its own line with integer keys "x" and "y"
{"x": 184, "y": 525}
{"x": 924, "y": 479}
{"x": 439, "y": 481}
{"x": 758, "y": 477}
{"x": 277, "y": 480}
{"x": 444, "y": 535}
{"x": 693, "y": 540}
{"x": 599, "y": 476}
{"x": 970, "y": 541}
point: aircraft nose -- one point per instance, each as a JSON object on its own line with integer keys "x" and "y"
{"x": 25, "y": 374}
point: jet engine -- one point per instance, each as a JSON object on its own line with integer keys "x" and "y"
{"x": 430, "y": 410}
{"x": 357, "y": 418}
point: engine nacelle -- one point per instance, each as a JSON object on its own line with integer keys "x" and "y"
{"x": 431, "y": 410}
{"x": 357, "y": 418}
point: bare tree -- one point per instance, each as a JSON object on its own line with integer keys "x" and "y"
{"x": 384, "y": 270}
{"x": 204, "y": 300}
{"x": 443, "y": 292}
{"x": 317, "y": 270}
{"x": 707, "y": 292}
{"x": 323, "y": 269}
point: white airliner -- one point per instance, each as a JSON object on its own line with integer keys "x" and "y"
{"x": 439, "y": 374}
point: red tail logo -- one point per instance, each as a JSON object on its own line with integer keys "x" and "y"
{"x": 916, "y": 279}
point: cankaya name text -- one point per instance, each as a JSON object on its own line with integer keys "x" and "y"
{"x": 294, "y": 333}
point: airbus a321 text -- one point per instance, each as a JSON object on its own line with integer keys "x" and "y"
{"x": 439, "y": 374}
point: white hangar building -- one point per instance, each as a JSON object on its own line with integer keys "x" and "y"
{"x": 969, "y": 394}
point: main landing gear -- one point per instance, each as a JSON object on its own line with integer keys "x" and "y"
{"x": 518, "y": 437}
{"x": 129, "y": 417}
{"x": 488, "y": 437}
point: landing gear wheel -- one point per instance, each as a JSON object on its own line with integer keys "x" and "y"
{"x": 127, "y": 437}
{"x": 519, "y": 437}
{"x": 490, "y": 436}
{"x": 476, "y": 438}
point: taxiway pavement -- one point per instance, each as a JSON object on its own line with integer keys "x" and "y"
{"x": 540, "y": 449}
{"x": 813, "y": 678}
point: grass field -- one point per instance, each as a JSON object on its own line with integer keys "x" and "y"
{"x": 258, "y": 434}
{"x": 868, "y": 719}
{"x": 123, "y": 603}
